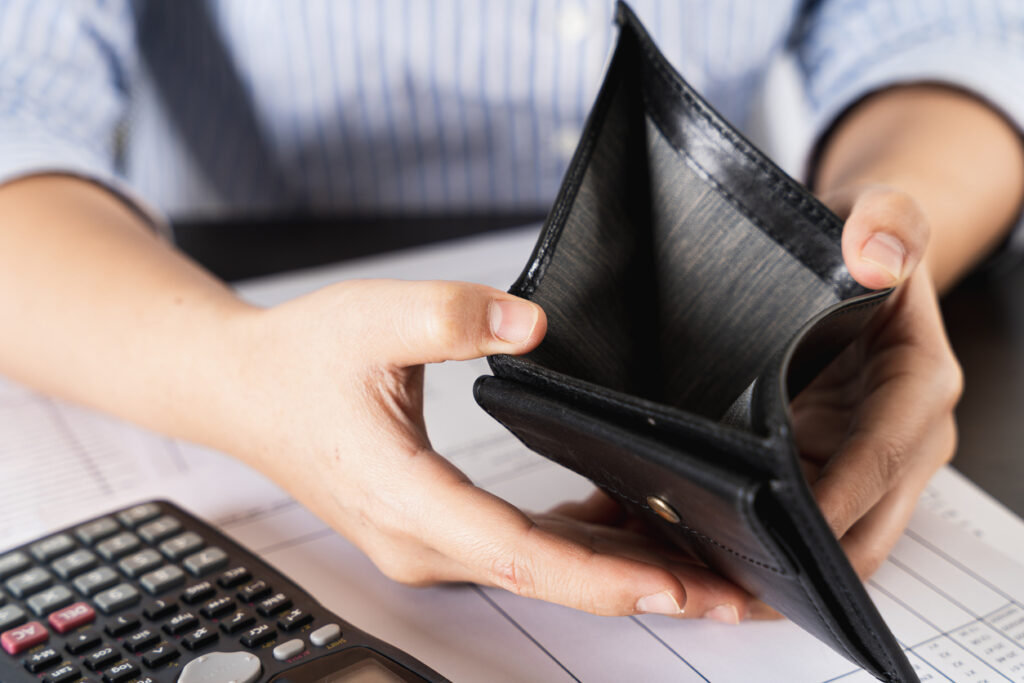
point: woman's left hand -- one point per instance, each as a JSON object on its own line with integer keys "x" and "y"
{"x": 878, "y": 422}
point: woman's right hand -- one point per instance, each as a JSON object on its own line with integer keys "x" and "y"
{"x": 331, "y": 388}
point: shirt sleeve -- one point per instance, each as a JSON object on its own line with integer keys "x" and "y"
{"x": 849, "y": 48}
{"x": 65, "y": 69}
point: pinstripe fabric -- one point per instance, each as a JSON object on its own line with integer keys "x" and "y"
{"x": 236, "y": 107}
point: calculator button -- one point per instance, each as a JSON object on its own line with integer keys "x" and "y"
{"x": 181, "y": 622}
{"x": 239, "y": 667}
{"x": 50, "y": 599}
{"x": 63, "y": 674}
{"x": 74, "y": 564}
{"x": 159, "y": 529}
{"x": 70, "y": 618}
{"x": 80, "y": 642}
{"x": 325, "y": 635}
{"x": 134, "y": 516}
{"x": 19, "y": 639}
{"x": 289, "y": 649}
{"x": 121, "y": 624}
{"x": 123, "y": 671}
{"x": 181, "y": 545}
{"x": 293, "y": 619}
{"x": 254, "y": 591}
{"x": 12, "y": 615}
{"x": 158, "y": 609}
{"x": 141, "y": 640}
{"x": 96, "y": 580}
{"x": 140, "y": 562}
{"x": 102, "y": 658}
{"x": 274, "y": 604}
{"x": 236, "y": 622}
{"x": 160, "y": 655}
{"x": 165, "y": 578}
{"x": 97, "y": 530}
{"x": 12, "y": 563}
{"x": 258, "y": 635}
{"x": 234, "y": 576}
{"x": 41, "y": 660}
{"x": 197, "y": 592}
{"x": 199, "y": 638}
{"x": 116, "y": 547}
{"x": 52, "y": 547}
{"x": 205, "y": 561}
{"x": 217, "y": 607}
{"x": 117, "y": 598}
{"x": 29, "y": 582}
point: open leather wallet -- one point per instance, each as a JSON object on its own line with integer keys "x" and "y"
{"x": 692, "y": 289}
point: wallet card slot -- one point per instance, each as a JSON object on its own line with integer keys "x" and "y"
{"x": 713, "y": 502}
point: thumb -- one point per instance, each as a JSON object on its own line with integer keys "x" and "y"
{"x": 884, "y": 237}
{"x": 435, "y": 321}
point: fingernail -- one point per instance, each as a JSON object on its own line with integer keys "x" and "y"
{"x": 659, "y": 603}
{"x": 886, "y": 252}
{"x": 726, "y": 614}
{"x": 513, "y": 321}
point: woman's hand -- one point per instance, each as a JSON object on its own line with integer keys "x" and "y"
{"x": 878, "y": 422}
{"x": 334, "y": 384}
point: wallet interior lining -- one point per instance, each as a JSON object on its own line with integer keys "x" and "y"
{"x": 659, "y": 285}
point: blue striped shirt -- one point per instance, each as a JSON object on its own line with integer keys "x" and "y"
{"x": 249, "y": 107}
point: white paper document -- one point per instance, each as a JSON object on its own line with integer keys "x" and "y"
{"x": 952, "y": 591}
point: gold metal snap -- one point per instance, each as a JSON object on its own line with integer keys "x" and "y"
{"x": 663, "y": 509}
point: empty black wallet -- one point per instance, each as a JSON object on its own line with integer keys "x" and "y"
{"x": 692, "y": 288}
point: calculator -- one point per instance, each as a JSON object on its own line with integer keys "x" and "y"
{"x": 151, "y": 593}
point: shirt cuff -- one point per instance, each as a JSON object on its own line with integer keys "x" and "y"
{"x": 28, "y": 149}
{"x": 992, "y": 73}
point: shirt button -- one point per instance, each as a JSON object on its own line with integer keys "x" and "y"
{"x": 573, "y": 23}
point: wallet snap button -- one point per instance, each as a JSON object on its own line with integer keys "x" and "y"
{"x": 663, "y": 509}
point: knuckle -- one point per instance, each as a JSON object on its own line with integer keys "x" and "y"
{"x": 447, "y": 303}
{"x": 510, "y": 571}
{"x": 889, "y": 454}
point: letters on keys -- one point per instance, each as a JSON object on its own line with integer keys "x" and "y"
{"x": 22, "y": 638}
{"x": 72, "y": 617}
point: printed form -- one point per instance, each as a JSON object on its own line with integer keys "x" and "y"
{"x": 952, "y": 591}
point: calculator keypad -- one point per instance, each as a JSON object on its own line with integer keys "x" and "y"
{"x": 131, "y": 595}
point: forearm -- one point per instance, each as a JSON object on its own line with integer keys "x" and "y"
{"x": 99, "y": 310}
{"x": 961, "y": 161}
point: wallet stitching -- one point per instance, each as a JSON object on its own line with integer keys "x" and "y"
{"x": 793, "y": 195}
{"x": 599, "y": 393}
{"x": 780, "y": 185}
{"x": 832, "y": 281}
{"x": 577, "y": 170}
{"x": 890, "y": 663}
{"x": 642, "y": 504}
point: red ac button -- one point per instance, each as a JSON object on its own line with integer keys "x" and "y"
{"x": 22, "y": 638}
